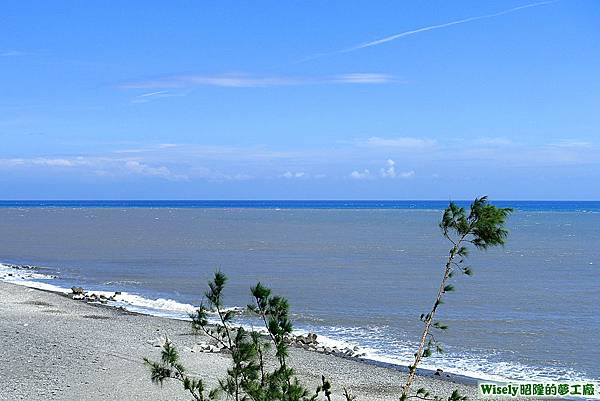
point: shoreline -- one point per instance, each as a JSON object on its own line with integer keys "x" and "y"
{"x": 26, "y": 281}
{"x": 435, "y": 374}
{"x": 115, "y": 341}
{"x": 30, "y": 277}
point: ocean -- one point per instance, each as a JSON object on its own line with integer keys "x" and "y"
{"x": 355, "y": 272}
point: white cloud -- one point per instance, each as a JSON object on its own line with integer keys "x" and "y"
{"x": 400, "y": 142}
{"x": 289, "y": 174}
{"x": 360, "y": 175}
{"x": 161, "y": 171}
{"x": 495, "y": 141}
{"x": 197, "y": 162}
{"x": 55, "y": 162}
{"x": 151, "y": 96}
{"x": 389, "y": 171}
{"x": 40, "y": 161}
{"x": 364, "y": 78}
{"x": 216, "y": 176}
{"x": 223, "y": 80}
{"x": 570, "y": 143}
{"x": 99, "y": 165}
{"x": 249, "y": 81}
{"x": 12, "y": 53}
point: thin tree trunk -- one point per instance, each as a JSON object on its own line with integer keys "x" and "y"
{"x": 428, "y": 321}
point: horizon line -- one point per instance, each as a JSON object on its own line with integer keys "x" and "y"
{"x": 292, "y": 200}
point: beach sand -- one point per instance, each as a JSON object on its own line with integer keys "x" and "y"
{"x": 56, "y": 348}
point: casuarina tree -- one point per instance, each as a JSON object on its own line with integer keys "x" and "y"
{"x": 482, "y": 228}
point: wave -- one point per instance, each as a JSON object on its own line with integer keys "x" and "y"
{"x": 369, "y": 340}
{"x": 374, "y": 342}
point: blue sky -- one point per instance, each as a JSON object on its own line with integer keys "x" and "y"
{"x": 300, "y": 100}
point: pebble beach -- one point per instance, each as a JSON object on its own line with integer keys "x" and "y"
{"x": 57, "y": 348}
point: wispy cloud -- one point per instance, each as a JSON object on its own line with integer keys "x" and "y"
{"x": 151, "y": 96}
{"x": 380, "y": 163}
{"x": 229, "y": 154}
{"x": 160, "y": 171}
{"x": 362, "y": 78}
{"x": 12, "y": 53}
{"x": 404, "y": 34}
{"x": 44, "y": 162}
{"x": 398, "y": 142}
{"x": 440, "y": 26}
{"x": 361, "y": 175}
{"x": 252, "y": 81}
{"x": 298, "y": 174}
{"x": 494, "y": 141}
{"x": 96, "y": 164}
{"x": 570, "y": 143}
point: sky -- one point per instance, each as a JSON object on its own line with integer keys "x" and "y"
{"x": 300, "y": 99}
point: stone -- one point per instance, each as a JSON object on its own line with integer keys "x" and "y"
{"x": 157, "y": 342}
{"x": 198, "y": 348}
{"x": 77, "y": 290}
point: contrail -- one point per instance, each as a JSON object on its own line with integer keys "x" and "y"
{"x": 427, "y": 28}
{"x": 447, "y": 24}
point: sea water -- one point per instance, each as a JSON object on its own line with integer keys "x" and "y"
{"x": 355, "y": 272}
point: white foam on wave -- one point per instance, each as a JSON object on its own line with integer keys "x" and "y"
{"x": 28, "y": 278}
{"x": 399, "y": 352}
{"x": 156, "y": 307}
{"x": 474, "y": 366}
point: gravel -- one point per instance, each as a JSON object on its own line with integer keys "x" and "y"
{"x": 55, "y": 348}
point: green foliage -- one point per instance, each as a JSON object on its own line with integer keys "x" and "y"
{"x": 455, "y": 396}
{"x": 325, "y": 388}
{"x": 274, "y": 312}
{"x": 441, "y": 326}
{"x": 423, "y": 394}
{"x": 483, "y": 227}
{"x": 169, "y": 367}
{"x": 248, "y": 377}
